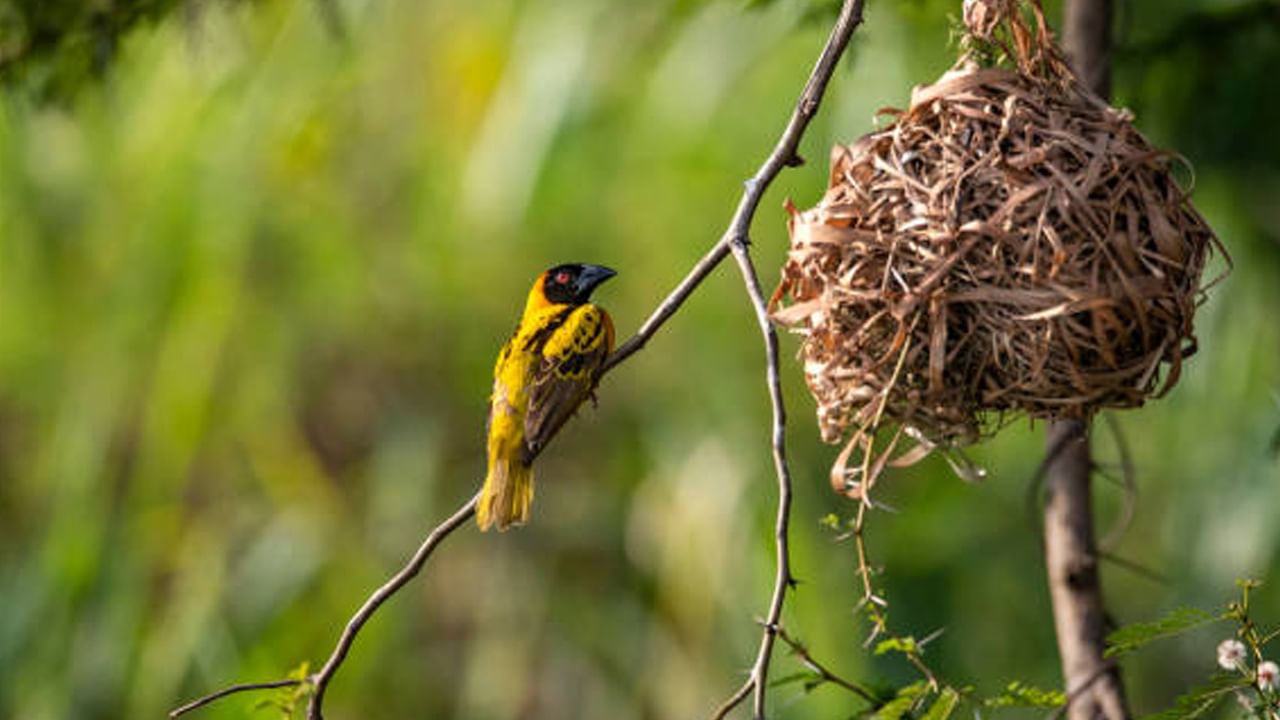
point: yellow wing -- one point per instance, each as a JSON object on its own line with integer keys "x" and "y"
{"x": 572, "y": 357}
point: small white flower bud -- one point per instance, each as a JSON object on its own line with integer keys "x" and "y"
{"x": 1231, "y": 654}
{"x": 1268, "y": 675}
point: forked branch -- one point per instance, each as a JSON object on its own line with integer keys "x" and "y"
{"x": 736, "y": 240}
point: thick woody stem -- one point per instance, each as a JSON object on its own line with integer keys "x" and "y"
{"x": 1086, "y": 36}
{"x": 1071, "y": 556}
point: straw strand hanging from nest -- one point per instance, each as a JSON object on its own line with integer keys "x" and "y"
{"x": 1009, "y": 245}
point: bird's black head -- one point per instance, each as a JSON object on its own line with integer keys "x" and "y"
{"x": 572, "y": 283}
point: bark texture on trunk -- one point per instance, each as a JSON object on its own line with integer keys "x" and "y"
{"x": 1086, "y": 36}
{"x": 1094, "y": 688}
{"x": 1071, "y": 556}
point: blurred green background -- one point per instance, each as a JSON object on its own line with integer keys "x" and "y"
{"x": 255, "y": 265}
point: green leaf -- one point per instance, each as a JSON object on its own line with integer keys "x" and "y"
{"x": 902, "y": 702}
{"x": 905, "y": 645}
{"x": 809, "y": 678}
{"x": 1179, "y": 620}
{"x": 1017, "y": 694}
{"x": 943, "y": 706}
{"x": 1201, "y": 700}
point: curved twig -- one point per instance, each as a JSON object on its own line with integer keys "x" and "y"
{"x": 232, "y": 690}
{"x": 784, "y": 155}
{"x": 321, "y": 679}
{"x": 781, "y": 534}
{"x": 824, "y": 674}
{"x": 1085, "y": 687}
{"x": 737, "y": 240}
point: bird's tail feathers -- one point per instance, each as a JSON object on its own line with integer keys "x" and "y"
{"x": 507, "y": 495}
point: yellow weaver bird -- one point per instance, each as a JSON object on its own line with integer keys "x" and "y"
{"x": 544, "y": 372}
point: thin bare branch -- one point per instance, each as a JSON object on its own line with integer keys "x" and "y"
{"x": 781, "y": 531}
{"x": 1084, "y": 688}
{"x": 736, "y": 698}
{"x": 824, "y": 674}
{"x": 876, "y": 606}
{"x": 670, "y": 304}
{"x": 1136, "y": 568}
{"x": 232, "y": 690}
{"x": 784, "y": 155}
{"x": 321, "y": 679}
{"x": 737, "y": 240}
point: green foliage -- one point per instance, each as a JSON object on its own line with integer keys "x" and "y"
{"x": 911, "y": 701}
{"x": 903, "y": 702}
{"x": 290, "y": 702}
{"x": 1131, "y": 637}
{"x": 808, "y": 678}
{"x": 1018, "y": 694}
{"x": 905, "y": 645}
{"x": 53, "y": 47}
{"x": 1208, "y": 60}
{"x": 985, "y": 52}
{"x": 946, "y": 703}
{"x": 1201, "y": 700}
{"x": 1242, "y": 663}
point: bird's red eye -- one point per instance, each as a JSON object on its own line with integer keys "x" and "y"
{"x": 562, "y": 277}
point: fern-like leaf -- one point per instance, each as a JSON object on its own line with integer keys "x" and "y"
{"x": 1177, "y": 621}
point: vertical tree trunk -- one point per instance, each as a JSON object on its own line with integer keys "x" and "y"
{"x": 1086, "y": 36}
{"x": 1093, "y": 685}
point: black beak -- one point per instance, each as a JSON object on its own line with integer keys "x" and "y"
{"x": 589, "y": 278}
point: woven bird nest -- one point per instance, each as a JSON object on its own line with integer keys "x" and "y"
{"x": 1009, "y": 245}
